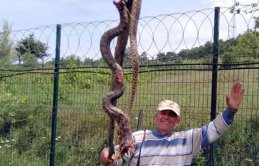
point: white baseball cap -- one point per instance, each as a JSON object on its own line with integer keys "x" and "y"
{"x": 169, "y": 105}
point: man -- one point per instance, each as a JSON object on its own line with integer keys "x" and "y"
{"x": 162, "y": 146}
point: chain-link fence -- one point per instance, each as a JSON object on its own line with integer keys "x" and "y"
{"x": 180, "y": 58}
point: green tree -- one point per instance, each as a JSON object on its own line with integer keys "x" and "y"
{"x": 5, "y": 44}
{"x": 143, "y": 58}
{"x": 183, "y": 54}
{"x": 208, "y": 47}
{"x": 29, "y": 60}
{"x": 248, "y": 44}
{"x": 171, "y": 55}
{"x": 70, "y": 61}
{"x": 162, "y": 57}
{"x": 89, "y": 62}
{"x": 32, "y": 46}
{"x": 197, "y": 52}
{"x": 228, "y": 52}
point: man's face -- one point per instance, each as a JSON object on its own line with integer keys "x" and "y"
{"x": 166, "y": 121}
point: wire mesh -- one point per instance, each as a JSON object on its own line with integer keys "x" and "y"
{"x": 175, "y": 63}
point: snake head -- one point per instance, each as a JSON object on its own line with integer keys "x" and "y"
{"x": 125, "y": 148}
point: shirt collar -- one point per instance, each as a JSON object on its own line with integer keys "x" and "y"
{"x": 156, "y": 133}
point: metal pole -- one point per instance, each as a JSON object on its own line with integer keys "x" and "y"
{"x": 214, "y": 78}
{"x": 55, "y": 97}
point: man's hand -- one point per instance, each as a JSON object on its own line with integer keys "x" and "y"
{"x": 104, "y": 157}
{"x": 235, "y": 96}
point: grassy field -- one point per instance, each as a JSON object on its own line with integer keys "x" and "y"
{"x": 26, "y": 103}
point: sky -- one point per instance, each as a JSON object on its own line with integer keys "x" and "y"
{"x": 24, "y": 14}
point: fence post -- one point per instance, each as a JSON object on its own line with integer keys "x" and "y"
{"x": 214, "y": 78}
{"x": 55, "y": 96}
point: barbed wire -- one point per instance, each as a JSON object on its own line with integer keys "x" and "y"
{"x": 162, "y": 33}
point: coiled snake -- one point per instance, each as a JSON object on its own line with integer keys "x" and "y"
{"x": 117, "y": 87}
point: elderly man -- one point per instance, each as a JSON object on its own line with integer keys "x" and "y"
{"x": 163, "y": 146}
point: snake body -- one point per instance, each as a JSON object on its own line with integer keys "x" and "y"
{"x": 117, "y": 87}
{"x": 135, "y": 12}
{"x": 134, "y": 7}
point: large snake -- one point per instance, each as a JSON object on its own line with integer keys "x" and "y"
{"x": 117, "y": 87}
{"x": 134, "y": 7}
{"x": 134, "y": 17}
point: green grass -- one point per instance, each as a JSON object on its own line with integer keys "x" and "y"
{"x": 82, "y": 125}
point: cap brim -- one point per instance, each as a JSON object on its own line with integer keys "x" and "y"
{"x": 169, "y": 108}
